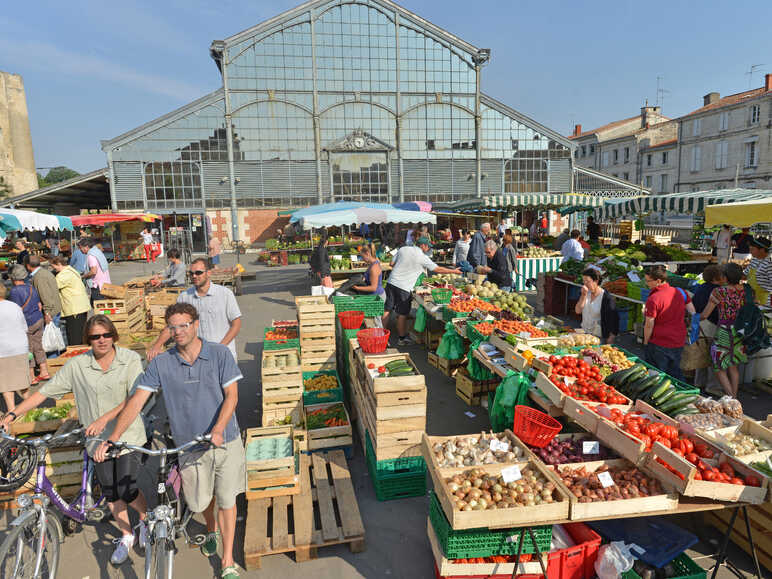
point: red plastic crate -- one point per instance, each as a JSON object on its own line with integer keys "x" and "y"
{"x": 577, "y": 562}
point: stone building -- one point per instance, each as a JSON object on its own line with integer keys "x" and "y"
{"x": 17, "y": 162}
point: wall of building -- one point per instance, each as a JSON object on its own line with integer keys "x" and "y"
{"x": 17, "y": 161}
{"x": 255, "y": 225}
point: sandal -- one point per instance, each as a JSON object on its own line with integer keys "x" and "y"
{"x": 39, "y": 379}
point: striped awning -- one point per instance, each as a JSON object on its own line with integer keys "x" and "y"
{"x": 543, "y": 200}
{"x": 678, "y": 203}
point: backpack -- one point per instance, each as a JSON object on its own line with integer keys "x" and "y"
{"x": 750, "y": 325}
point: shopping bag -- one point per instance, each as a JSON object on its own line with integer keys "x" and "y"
{"x": 451, "y": 345}
{"x": 476, "y": 369}
{"x": 420, "y": 320}
{"x": 512, "y": 391}
{"x": 52, "y": 338}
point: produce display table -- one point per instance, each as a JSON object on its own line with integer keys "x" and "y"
{"x": 530, "y": 267}
{"x": 347, "y": 273}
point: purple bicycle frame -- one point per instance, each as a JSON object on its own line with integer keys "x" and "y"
{"x": 75, "y": 510}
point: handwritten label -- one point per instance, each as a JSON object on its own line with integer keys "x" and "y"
{"x": 590, "y": 447}
{"x": 606, "y": 480}
{"x": 511, "y": 474}
{"x": 470, "y": 414}
{"x": 569, "y": 379}
{"x": 337, "y": 257}
{"x": 498, "y": 445}
{"x": 633, "y": 276}
{"x": 525, "y": 335}
{"x": 354, "y": 258}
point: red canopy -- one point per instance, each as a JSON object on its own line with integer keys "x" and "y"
{"x": 103, "y": 218}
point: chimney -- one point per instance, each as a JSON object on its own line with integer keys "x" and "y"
{"x": 768, "y": 82}
{"x": 578, "y": 128}
{"x": 710, "y": 98}
{"x": 646, "y": 110}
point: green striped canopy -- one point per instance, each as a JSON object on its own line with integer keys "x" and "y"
{"x": 546, "y": 200}
{"x": 677, "y": 203}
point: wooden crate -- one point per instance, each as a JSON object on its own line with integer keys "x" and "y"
{"x": 627, "y": 445}
{"x": 319, "y": 359}
{"x": 450, "y": 367}
{"x": 272, "y": 477}
{"x": 555, "y": 394}
{"x": 161, "y": 298}
{"x": 110, "y": 290}
{"x": 42, "y": 426}
{"x": 281, "y": 384}
{"x": 56, "y": 364}
{"x": 331, "y": 437}
{"x": 749, "y": 427}
{"x": 117, "y": 309}
{"x": 428, "y": 442}
{"x": 610, "y": 509}
{"x": 582, "y": 412}
{"x": 378, "y": 384}
{"x": 303, "y": 301}
{"x": 471, "y": 388}
{"x": 273, "y": 414}
{"x": 325, "y": 488}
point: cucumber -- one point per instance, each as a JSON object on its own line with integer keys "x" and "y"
{"x": 615, "y": 378}
{"x": 638, "y": 371}
{"x": 666, "y": 396}
{"x": 633, "y": 388}
{"x": 646, "y": 384}
{"x": 662, "y": 387}
{"x": 674, "y": 405}
{"x": 687, "y": 410}
{"x": 647, "y": 394}
{"x": 394, "y": 364}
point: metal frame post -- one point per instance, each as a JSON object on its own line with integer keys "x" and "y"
{"x": 229, "y": 137}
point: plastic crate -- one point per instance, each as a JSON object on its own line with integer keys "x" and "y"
{"x": 577, "y": 562}
{"x": 322, "y": 396}
{"x": 371, "y": 305}
{"x": 396, "y": 478}
{"x": 448, "y": 314}
{"x": 473, "y": 334}
{"x": 279, "y": 344}
{"x": 483, "y": 542}
{"x": 441, "y": 295}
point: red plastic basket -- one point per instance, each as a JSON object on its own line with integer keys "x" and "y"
{"x": 373, "y": 340}
{"x": 534, "y": 427}
{"x": 351, "y": 320}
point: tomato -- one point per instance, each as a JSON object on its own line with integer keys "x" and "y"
{"x": 678, "y": 451}
{"x": 736, "y": 481}
{"x": 691, "y": 457}
{"x": 382, "y": 369}
{"x": 752, "y": 481}
{"x": 698, "y": 476}
{"x": 709, "y": 475}
{"x": 371, "y": 365}
{"x": 687, "y": 445}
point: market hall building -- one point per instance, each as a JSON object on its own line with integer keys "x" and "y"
{"x": 333, "y": 100}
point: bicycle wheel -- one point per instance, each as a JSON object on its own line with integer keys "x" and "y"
{"x": 17, "y": 463}
{"x": 18, "y": 553}
{"x": 158, "y": 561}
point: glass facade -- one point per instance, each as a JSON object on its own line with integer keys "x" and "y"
{"x": 297, "y": 90}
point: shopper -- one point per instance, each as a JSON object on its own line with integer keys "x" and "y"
{"x": 508, "y": 246}
{"x": 500, "y": 230}
{"x": 561, "y": 239}
{"x": 174, "y": 275}
{"x": 199, "y": 383}
{"x": 75, "y": 302}
{"x": 476, "y": 254}
{"x": 97, "y": 271}
{"x": 597, "y": 307}
{"x": 497, "y": 268}
{"x": 664, "y": 329}
{"x": 572, "y": 249}
{"x": 373, "y": 277}
{"x": 741, "y": 244}
{"x": 727, "y": 350}
{"x": 218, "y": 312}
{"x": 14, "y": 352}
{"x": 45, "y": 284}
{"x": 722, "y": 242}
{"x": 759, "y": 272}
{"x": 320, "y": 262}
{"x": 461, "y": 250}
{"x": 215, "y": 249}
{"x": 26, "y": 297}
{"x": 544, "y": 230}
{"x": 712, "y": 277}
{"x": 408, "y": 264}
{"x": 593, "y": 231}
{"x": 21, "y": 246}
{"x": 52, "y": 243}
{"x": 78, "y": 259}
{"x": 101, "y": 381}
{"x": 147, "y": 243}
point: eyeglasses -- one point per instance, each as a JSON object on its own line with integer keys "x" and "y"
{"x": 93, "y": 337}
{"x": 180, "y": 327}
{"x": 198, "y": 272}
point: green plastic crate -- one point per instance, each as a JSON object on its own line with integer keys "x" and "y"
{"x": 473, "y": 335}
{"x": 684, "y": 566}
{"x": 448, "y": 314}
{"x": 483, "y": 542}
{"x": 396, "y": 478}
{"x": 277, "y": 344}
{"x": 441, "y": 295}
{"x": 371, "y": 305}
{"x": 322, "y": 396}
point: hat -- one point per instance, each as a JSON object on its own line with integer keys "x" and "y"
{"x": 19, "y": 273}
{"x": 424, "y": 241}
{"x": 761, "y": 242}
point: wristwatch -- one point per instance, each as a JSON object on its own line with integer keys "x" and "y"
{"x": 12, "y": 413}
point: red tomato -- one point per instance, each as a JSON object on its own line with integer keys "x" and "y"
{"x": 736, "y": 481}
{"x": 381, "y": 369}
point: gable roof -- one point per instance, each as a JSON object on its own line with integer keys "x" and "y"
{"x": 608, "y": 127}
{"x": 730, "y": 100}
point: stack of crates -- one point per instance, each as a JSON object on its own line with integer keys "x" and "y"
{"x": 316, "y": 324}
{"x": 395, "y": 478}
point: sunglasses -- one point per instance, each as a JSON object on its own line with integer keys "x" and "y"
{"x": 198, "y": 272}
{"x": 93, "y": 337}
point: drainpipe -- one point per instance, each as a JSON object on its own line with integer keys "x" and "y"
{"x": 229, "y": 137}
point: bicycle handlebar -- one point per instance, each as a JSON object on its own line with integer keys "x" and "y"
{"x": 45, "y": 440}
{"x": 119, "y": 445}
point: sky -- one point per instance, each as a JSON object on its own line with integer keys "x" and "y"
{"x": 93, "y": 70}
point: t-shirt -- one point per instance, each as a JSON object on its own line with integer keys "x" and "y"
{"x": 667, "y": 306}
{"x": 147, "y": 238}
{"x": 19, "y": 295}
{"x": 216, "y": 310}
{"x": 572, "y": 249}
{"x": 408, "y": 264}
{"x": 742, "y": 242}
{"x": 101, "y": 277}
{"x": 593, "y": 231}
{"x": 13, "y": 338}
{"x": 723, "y": 237}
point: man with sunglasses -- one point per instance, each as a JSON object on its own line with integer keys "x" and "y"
{"x": 218, "y": 311}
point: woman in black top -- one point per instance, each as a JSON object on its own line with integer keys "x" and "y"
{"x": 320, "y": 262}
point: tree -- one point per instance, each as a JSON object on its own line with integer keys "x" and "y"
{"x": 42, "y": 182}
{"x": 59, "y": 174}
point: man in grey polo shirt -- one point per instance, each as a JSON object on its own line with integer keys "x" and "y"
{"x": 219, "y": 313}
{"x": 198, "y": 380}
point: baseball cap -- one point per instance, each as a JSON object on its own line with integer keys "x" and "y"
{"x": 424, "y": 241}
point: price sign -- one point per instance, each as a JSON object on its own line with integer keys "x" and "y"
{"x": 337, "y": 257}
{"x": 489, "y": 318}
{"x": 540, "y": 323}
{"x": 525, "y": 334}
{"x": 606, "y": 480}
{"x": 511, "y": 474}
{"x": 498, "y": 445}
{"x": 633, "y": 276}
{"x": 590, "y": 447}
{"x": 569, "y": 379}
{"x": 354, "y": 258}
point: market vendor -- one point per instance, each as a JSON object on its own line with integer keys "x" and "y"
{"x": 593, "y": 231}
{"x": 572, "y": 249}
{"x": 759, "y": 272}
{"x": 21, "y": 247}
{"x": 741, "y": 243}
{"x": 373, "y": 276}
{"x": 174, "y": 275}
{"x": 498, "y": 268}
{"x": 597, "y": 307}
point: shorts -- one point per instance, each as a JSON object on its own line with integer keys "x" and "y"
{"x": 398, "y": 300}
{"x": 118, "y": 477}
{"x": 216, "y": 472}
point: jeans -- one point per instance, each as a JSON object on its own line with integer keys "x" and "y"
{"x": 666, "y": 359}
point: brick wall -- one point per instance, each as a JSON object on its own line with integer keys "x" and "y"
{"x": 255, "y": 225}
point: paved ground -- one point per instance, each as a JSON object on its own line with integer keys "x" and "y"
{"x": 397, "y": 546}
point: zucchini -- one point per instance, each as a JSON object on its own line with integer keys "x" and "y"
{"x": 687, "y": 410}
{"x": 666, "y": 396}
{"x": 638, "y": 371}
{"x": 646, "y": 384}
{"x": 675, "y": 405}
{"x": 662, "y": 387}
{"x": 615, "y": 378}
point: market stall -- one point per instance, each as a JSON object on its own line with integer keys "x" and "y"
{"x": 740, "y": 213}
{"x": 120, "y": 230}
{"x": 16, "y": 221}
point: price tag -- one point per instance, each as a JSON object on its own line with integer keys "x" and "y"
{"x": 511, "y": 474}
{"x": 590, "y": 447}
{"x": 606, "y": 480}
{"x": 540, "y": 323}
{"x": 600, "y": 269}
{"x": 337, "y": 257}
{"x": 497, "y": 445}
{"x": 354, "y": 258}
{"x": 489, "y": 318}
{"x": 525, "y": 335}
{"x": 633, "y": 276}
{"x": 569, "y": 379}
{"x": 470, "y": 414}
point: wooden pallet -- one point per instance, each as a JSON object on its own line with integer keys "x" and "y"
{"x": 305, "y": 522}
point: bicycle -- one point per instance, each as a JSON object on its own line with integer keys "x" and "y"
{"x": 37, "y": 529}
{"x": 169, "y": 519}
